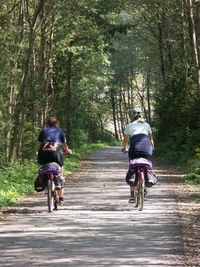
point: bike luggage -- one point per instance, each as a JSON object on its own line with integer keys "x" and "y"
{"x": 40, "y": 183}
{"x": 151, "y": 178}
{"x": 131, "y": 177}
{"x": 41, "y": 180}
{"x": 50, "y": 167}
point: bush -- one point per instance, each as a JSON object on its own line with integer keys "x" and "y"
{"x": 16, "y": 181}
{"x": 182, "y": 157}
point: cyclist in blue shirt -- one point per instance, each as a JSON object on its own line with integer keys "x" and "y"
{"x": 53, "y": 146}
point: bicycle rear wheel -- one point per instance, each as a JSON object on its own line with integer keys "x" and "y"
{"x": 141, "y": 192}
{"x": 136, "y": 195}
{"x": 50, "y": 197}
{"x": 55, "y": 202}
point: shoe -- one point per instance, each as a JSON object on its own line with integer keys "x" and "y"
{"x": 61, "y": 201}
{"x": 131, "y": 200}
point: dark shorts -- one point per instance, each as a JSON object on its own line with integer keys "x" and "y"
{"x": 47, "y": 156}
{"x": 140, "y": 147}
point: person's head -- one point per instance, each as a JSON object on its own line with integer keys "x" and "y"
{"x": 136, "y": 114}
{"x": 53, "y": 122}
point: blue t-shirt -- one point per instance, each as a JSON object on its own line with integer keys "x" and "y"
{"x": 53, "y": 135}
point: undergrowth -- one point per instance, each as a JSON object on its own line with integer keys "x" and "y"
{"x": 189, "y": 161}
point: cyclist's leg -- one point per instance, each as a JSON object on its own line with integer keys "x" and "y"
{"x": 132, "y": 198}
{"x": 60, "y": 196}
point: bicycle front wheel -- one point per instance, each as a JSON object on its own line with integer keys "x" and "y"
{"x": 50, "y": 197}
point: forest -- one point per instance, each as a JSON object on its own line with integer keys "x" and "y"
{"x": 88, "y": 62}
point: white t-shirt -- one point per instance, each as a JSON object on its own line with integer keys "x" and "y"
{"x": 137, "y": 127}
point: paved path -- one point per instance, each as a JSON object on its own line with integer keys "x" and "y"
{"x": 97, "y": 226}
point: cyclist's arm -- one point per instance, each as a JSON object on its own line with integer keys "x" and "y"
{"x": 151, "y": 140}
{"x": 66, "y": 148}
{"x": 125, "y": 142}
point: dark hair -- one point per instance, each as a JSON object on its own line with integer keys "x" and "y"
{"x": 53, "y": 122}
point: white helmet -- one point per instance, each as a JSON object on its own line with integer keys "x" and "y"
{"x": 136, "y": 112}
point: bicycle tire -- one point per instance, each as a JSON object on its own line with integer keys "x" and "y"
{"x": 55, "y": 200}
{"x": 136, "y": 196}
{"x": 141, "y": 193}
{"x": 50, "y": 197}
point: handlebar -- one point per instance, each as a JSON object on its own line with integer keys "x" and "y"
{"x": 69, "y": 153}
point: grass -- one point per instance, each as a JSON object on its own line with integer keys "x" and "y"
{"x": 18, "y": 180}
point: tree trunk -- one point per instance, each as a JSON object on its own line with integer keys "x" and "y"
{"x": 68, "y": 94}
{"x": 19, "y": 115}
{"x": 195, "y": 45}
{"x": 148, "y": 95}
{"x": 114, "y": 113}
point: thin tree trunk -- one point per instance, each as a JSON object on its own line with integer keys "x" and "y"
{"x": 68, "y": 93}
{"x": 195, "y": 45}
{"x": 114, "y": 112}
{"x": 161, "y": 51}
{"x": 148, "y": 96}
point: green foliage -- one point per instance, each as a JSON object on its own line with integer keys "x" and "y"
{"x": 193, "y": 171}
{"x": 16, "y": 181}
{"x": 183, "y": 157}
{"x": 193, "y": 178}
{"x": 197, "y": 151}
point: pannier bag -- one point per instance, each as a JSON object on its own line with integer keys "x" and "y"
{"x": 41, "y": 180}
{"x": 40, "y": 183}
{"x": 131, "y": 177}
{"x": 151, "y": 178}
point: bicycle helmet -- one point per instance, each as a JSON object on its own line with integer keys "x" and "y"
{"x": 136, "y": 113}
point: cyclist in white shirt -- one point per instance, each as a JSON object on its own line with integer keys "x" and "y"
{"x": 140, "y": 133}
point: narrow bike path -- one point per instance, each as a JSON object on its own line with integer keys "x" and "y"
{"x": 97, "y": 226}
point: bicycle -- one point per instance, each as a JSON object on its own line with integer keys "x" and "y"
{"x": 137, "y": 177}
{"x": 50, "y": 180}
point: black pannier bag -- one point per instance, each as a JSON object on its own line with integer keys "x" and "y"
{"x": 40, "y": 183}
{"x": 131, "y": 177}
{"x": 151, "y": 178}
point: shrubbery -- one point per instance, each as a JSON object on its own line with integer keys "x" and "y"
{"x": 187, "y": 159}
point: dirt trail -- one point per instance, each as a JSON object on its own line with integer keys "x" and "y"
{"x": 96, "y": 226}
